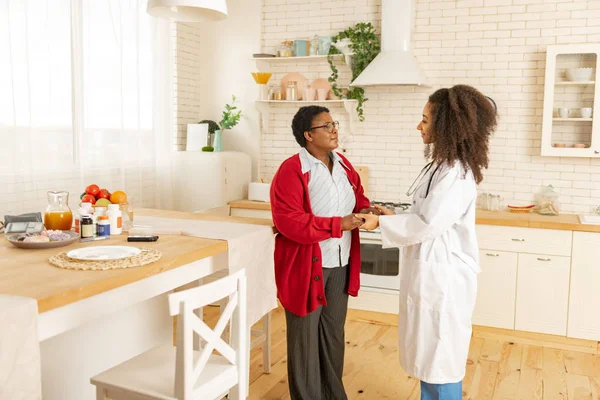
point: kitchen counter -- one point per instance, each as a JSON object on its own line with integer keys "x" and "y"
{"x": 568, "y": 222}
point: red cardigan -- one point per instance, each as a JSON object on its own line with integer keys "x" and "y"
{"x": 298, "y": 266}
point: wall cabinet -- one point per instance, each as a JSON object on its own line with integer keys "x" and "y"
{"x": 572, "y": 75}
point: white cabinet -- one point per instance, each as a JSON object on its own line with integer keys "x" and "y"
{"x": 204, "y": 180}
{"x": 561, "y": 132}
{"x": 497, "y": 286}
{"x": 584, "y": 303}
{"x": 542, "y": 294}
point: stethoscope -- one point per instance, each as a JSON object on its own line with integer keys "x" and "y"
{"x": 415, "y": 185}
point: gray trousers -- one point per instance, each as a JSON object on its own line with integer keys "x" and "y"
{"x": 315, "y": 343}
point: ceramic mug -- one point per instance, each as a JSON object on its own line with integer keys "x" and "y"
{"x": 563, "y": 112}
{"x": 309, "y": 94}
{"x": 586, "y": 112}
{"x": 322, "y": 94}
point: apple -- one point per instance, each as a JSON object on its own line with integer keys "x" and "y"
{"x": 92, "y": 189}
{"x": 103, "y": 194}
{"x": 88, "y": 198}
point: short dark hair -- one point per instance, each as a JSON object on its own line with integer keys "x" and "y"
{"x": 303, "y": 120}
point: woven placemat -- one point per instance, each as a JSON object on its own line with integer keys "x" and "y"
{"x": 147, "y": 256}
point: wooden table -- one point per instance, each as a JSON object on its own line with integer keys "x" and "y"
{"x": 92, "y": 320}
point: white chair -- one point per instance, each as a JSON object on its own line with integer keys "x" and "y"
{"x": 180, "y": 373}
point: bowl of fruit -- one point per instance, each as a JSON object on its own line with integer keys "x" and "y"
{"x": 102, "y": 197}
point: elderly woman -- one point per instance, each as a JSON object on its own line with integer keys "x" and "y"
{"x": 314, "y": 197}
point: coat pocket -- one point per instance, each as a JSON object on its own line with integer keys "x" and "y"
{"x": 429, "y": 284}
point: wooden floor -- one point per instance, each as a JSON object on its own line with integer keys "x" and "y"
{"x": 501, "y": 365}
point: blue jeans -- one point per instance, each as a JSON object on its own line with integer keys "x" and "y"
{"x": 446, "y": 391}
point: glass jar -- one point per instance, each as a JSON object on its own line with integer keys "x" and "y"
{"x": 314, "y": 46}
{"x": 58, "y": 215}
{"x": 127, "y": 214}
{"x": 286, "y": 49}
{"x": 278, "y": 93}
{"x": 291, "y": 93}
{"x": 548, "y": 200}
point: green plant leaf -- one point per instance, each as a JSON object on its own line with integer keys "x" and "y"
{"x": 366, "y": 46}
{"x": 230, "y": 117}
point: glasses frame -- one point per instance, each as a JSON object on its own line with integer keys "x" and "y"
{"x": 334, "y": 125}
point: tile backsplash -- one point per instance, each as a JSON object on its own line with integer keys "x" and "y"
{"x": 498, "y": 46}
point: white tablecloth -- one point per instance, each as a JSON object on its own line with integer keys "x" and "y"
{"x": 20, "y": 364}
{"x": 250, "y": 247}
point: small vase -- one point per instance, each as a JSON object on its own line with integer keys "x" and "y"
{"x": 218, "y": 144}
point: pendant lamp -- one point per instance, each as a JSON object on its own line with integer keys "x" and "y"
{"x": 188, "y": 10}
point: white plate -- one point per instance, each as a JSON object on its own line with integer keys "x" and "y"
{"x": 104, "y": 253}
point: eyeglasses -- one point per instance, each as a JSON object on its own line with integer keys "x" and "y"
{"x": 328, "y": 126}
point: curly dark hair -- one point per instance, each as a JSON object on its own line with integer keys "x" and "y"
{"x": 303, "y": 121}
{"x": 463, "y": 120}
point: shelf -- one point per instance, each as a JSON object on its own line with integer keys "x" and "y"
{"x": 304, "y": 101}
{"x": 264, "y": 107}
{"x": 296, "y": 59}
{"x": 573, "y": 83}
{"x": 572, "y": 119}
{"x": 571, "y": 152}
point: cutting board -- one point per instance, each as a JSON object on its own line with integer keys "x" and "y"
{"x": 363, "y": 172}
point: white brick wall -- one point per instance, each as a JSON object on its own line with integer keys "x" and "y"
{"x": 187, "y": 41}
{"x": 497, "y": 46}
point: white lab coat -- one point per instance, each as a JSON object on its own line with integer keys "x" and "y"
{"x": 438, "y": 274}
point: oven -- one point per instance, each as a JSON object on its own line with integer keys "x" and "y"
{"x": 380, "y": 268}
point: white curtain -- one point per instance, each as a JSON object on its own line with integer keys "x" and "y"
{"x": 85, "y": 97}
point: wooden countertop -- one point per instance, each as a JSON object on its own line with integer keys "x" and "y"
{"x": 568, "y": 222}
{"x": 28, "y": 273}
{"x": 250, "y": 205}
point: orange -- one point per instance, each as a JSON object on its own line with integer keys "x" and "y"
{"x": 118, "y": 197}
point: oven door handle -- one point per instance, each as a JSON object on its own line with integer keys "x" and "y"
{"x": 370, "y": 241}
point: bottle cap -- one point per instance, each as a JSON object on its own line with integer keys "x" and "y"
{"x": 103, "y": 218}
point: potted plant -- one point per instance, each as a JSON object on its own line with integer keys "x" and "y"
{"x": 364, "y": 44}
{"x": 212, "y": 128}
{"x": 231, "y": 118}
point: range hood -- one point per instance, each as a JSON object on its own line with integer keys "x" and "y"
{"x": 395, "y": 64}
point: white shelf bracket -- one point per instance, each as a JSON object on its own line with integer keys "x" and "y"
{"x": 265, "y": 112}
{"x": 350, "y": 106}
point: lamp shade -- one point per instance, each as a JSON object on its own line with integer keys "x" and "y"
{"x": 188, "y": 10}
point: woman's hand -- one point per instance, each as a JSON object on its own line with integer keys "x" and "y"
{"x": 371, "y": 222}
{"x": 384, "y": 210}
{"x": 351, "y": 221}
{"x": 370, "y": 210}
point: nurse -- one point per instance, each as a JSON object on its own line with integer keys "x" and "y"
{"x": 438, "y": 277}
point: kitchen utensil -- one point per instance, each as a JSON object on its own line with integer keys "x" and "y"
{"x": 309, "y": 94}
{"x": 586, "y": 112}
{"x": 563, "y": 112}
{"x": 322, "y": 94}
{"x": 520, "y": 208}
{"x": 321, "y": 83}
{"x": 324, "y": 44}
{"x": 58, "y": 215}
{"x": 579, "y": 74}
{"x": 298, "y": 78}
{"x": 13, "y": 239}
{"x": 96, "y": 253}
{"x": 262, "y": 78}
{"x": 300, "y": 48}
